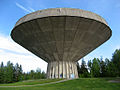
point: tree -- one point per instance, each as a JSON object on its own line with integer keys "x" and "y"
{"x": 32, "y": 74}
{"x": 83, "y": 69}
{"x": 43, "y": 75}
{"x": 18, "y": 72}
{"x": 116, "y": 61}
{"x": 1, "y": 72}
{"x": 8, "y": 72}
{"x": 90, "y": 67}
{"x": 95, "y": 70}
{"x": 38, "y": 73}
{"x": 111, "y": 69}
{"x": 102, "y": 68}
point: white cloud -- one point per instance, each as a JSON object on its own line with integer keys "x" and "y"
{"x": 117, "y": 47}
{"x": 11, "y": 51}
{"x": 23, "y": 8}
{"x": 32, "y": 9}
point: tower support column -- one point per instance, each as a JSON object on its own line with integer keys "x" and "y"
{"x": 62, "y": 69}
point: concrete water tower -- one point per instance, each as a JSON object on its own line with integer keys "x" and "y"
{"x": 61, "y": 37}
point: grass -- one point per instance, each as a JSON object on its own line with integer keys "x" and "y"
{"x": 77, "y": 84}
{"x": 31, "y": 82}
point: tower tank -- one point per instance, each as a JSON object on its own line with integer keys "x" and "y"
{"x": 61, "y": 37}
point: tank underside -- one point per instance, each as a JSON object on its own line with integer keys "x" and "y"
{"x": 60, "y": 40}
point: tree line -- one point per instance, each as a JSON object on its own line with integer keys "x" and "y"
{"x": 13, "y": 73}
{"x": 93, "y": 68}
{"x": 101, "y": 68}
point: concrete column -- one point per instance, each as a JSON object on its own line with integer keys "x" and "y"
{"x": 56, "y": 71}
{"x": 62, "y": 69}
{"x": 53, "y": 70}
{"x": 50, "y": 70}
{"x": 47, "y": 71}
{"x": 49, "y": 66}
{"x": 76, "y": 73}
{"x": 73, "y": 69}
{"x": 67, "y": 68}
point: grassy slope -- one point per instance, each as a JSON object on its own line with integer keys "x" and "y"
{"x": 77, "y": 84}
{"x": 31, "y": 82}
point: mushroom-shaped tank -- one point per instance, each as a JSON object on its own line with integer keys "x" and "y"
{"x": 61, "y": 37}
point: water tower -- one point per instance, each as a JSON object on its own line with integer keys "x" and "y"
{"x": 61, "y": 37}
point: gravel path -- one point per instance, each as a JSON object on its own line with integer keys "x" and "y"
{"x": 114, "y": 81}
{"x": 39, "y": 84}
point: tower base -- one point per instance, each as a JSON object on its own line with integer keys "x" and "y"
{"x": 62, "y": 69}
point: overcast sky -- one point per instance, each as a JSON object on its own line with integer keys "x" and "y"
{"x": 12, "y": 10}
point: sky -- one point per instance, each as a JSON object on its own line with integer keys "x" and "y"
{"x": 12, "y": 10}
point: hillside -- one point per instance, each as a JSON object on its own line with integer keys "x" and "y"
{"x": 76, "y": 84}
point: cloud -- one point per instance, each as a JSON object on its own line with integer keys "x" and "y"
{"x": 11, "y": 51}
{"x": 117, "y": 47}
{"x": 23, "y": 8}
{"x": 8, "y": 44}
{"x": 32, "y": 9}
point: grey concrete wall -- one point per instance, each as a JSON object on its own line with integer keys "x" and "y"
{"x": 61, "y": 12}
{"x": 61, "y": 38}
{"x": 62, "y": 69}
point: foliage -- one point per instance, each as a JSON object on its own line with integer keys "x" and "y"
{"x": 116, "y": 61}
{"x": 83, "y": 72}
{"x": 11, "y": 73}
{"x": 101, "y": 68}
{"x": 94, "y": 68}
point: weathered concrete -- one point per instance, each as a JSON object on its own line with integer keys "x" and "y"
{"x": 62, "y": 69}
{"x": 61, "y": 37}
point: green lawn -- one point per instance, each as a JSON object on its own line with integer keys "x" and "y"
{"x": 31, "y": 82}
{"x": 77, "y": 84}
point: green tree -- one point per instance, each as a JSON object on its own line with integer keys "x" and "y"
{"x": 18, "y": 72}
{"x": 90, "y": 67}
{"x": 43, "y": 75}
{"x": 116, "y": 61}
{"x": 111, "y": 69}
{"x": 8, "y": 72}
{"x": 83, "y": 69}
{"x": 95, "y": 70}
{"x": 102, "y": 68}
{"x": 2, "y": 73}
{"x": 32, "y": 74}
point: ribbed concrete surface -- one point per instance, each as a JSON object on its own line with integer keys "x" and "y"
{"x": 59, "y": 37}
{"x": 62, "y": 69}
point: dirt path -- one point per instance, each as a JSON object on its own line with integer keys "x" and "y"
{"x": 39, "y": 84}
{"x": 114, "y": 81}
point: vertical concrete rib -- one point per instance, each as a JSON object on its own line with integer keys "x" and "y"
{"x": 56, "y": 70}
{"x": 55, "y": 54}
{"x": 49, "y": 71}
{"x": 37, "y": 25}
{"x": 53, "y": 70}
{"x": 60, "y": 69}
{"x": 76, "y": 73}
{"x": 74, "y": 68}
{"x": 71, "y": 24}
{"x": 64, "y": 70}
